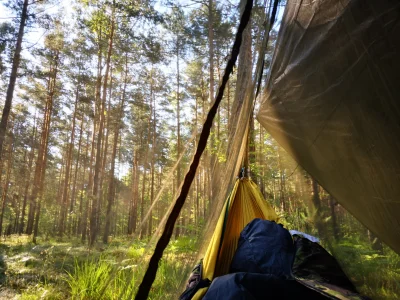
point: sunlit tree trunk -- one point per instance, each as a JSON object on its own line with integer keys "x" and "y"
{"x": 135, "y": 194}
{"x": 13, "y": 76}
{"x": 104, "y": 151}
{"x": 94, "y": 215}
{"x": 28, "y": 177}
{"x": 178, "y": 131}
{"x": 77, "y": 229}
{"x": 142, "y": 202}
{"x": 85, "y": 213}
{"x": 66, "y": 185}
{"x": 40, "y": 168}
{"x": 117, "y": 125}
{"x": 6, "y": 182}
{"x": 153, "y": 155}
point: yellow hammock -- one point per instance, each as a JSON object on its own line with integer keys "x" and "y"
{"x": 244, "y": 204}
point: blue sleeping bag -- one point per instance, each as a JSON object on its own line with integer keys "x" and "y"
{"x": 261, "y": 267}
{"x": 266, "y": 248}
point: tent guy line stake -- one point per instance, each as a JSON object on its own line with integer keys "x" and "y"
{"x": 162, "y": 243}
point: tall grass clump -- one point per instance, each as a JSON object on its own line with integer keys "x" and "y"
{"x": 99, "y": 279}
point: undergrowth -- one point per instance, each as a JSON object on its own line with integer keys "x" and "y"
{"x": 374, "y": 274}
{"x": 59, "y": 270}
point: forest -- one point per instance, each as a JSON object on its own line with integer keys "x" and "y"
{"x": 103, "y": 104}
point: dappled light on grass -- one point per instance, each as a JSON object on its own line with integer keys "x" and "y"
{"x": 68, "y": 270}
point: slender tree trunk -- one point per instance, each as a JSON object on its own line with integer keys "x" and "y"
{"x": 77, "y": 164}
{"x": 13, "y": 77}
{"x": 153, "y": 154}
{"x": 282, "y": 184}
{"x": 84, "y": 219}
{"x": 28, "y": 177}
{"x": 104, "y": 152}
{"x": 335, "y": 226}
{"x": 143, "y": 225}
{"x": 197, "y": 213}
{"x": 211, "y": 157}
{"x": 252, "y": 144}
{"x": 135, "y": 192}
{"x": 6, "y": 183}
{"x": 111, "y": 189}
{"x": 143, "y": 229}
{"x": 118, "y": 125}
{"x": 317, "y": 204}
{"x": 94, "y": 217}
{"x": 42, "y": 154}
{"x": 66, "y": 185}
{"x": 178, "y": 133}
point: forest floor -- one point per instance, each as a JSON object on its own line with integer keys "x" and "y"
{"x": 57, "y": 269}
{"x": 63, "y": 270}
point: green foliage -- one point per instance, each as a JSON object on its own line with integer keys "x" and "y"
{"x": 185, "y": 244}
{"x": 135, "y": 252}
{"x": 374, "y": 274}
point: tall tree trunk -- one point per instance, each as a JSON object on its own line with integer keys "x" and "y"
{"x": 211, "y": 157}
{"x": 77, "y": 164}
{"x": 28, "y": 177}
{"x": 178, "y": 129}
{"x": 252, "y": 144}
{"x": 13, "y": 77}
{"x": 143, "y": 229}
{"x": 84, "y": 219}
{"x": 104, "y": 152}
{"x": 118, "y": 125}
{"x": 335, "y": 226}
{"x": 66, "y": 185}
{"x": 142, "y": 223}
{"x": 135, "y": 194}
{"x": 317, "y": 204}
{"x": 90, "y": 187}
{"x": 153, "y": 154}
{"x": 6, "y": 183}
{"x": 40, "y": 168}
{"x": 111, "y": 189}
{"x": 282, "y": 184}
{"x": 94, "y": 216}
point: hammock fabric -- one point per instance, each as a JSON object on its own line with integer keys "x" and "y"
{"x": 244, "y": 204}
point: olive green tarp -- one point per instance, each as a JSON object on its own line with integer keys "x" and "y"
{"x": 332, "y": 100}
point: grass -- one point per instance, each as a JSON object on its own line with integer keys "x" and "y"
{"x": 107, "y": 278}
{"x": 69, "y": 270}
{"x": 374, "y": 274}
{"x": 92, "y": 280}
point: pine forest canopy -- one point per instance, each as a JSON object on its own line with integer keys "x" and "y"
{"x": 105, "y": 101}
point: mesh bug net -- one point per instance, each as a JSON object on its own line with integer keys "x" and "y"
{"x": 330, "y": 102}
